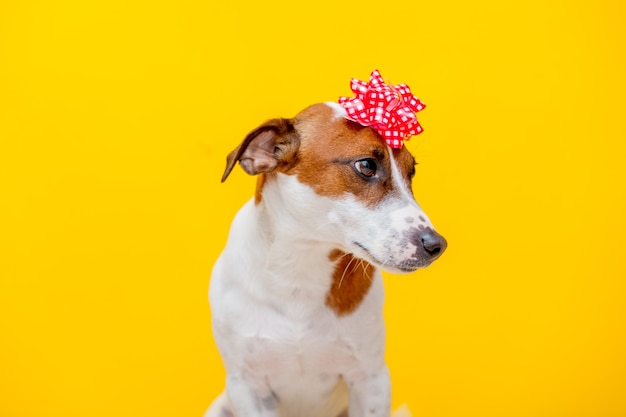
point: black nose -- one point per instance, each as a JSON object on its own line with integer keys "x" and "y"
{"x": 434, "y": 244}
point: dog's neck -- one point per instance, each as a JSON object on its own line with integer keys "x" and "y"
{"x": 289, "y": 239}
{"x": 288, "y": 213}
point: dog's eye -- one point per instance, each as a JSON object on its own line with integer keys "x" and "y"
{"x": 365, "y": 167}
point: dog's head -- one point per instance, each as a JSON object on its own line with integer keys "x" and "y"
{"x": 340, "y": 183}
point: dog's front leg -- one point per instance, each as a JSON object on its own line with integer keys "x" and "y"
{"x": 250, "y": 400}
{"x": 370, "y": 393}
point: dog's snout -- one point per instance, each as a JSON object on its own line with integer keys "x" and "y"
{"x": 434, "y": 244}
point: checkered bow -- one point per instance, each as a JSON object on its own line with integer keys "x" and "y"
{"x": 390, "y": 109}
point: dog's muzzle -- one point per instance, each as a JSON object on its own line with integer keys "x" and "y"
{"x": 429, "y": 245}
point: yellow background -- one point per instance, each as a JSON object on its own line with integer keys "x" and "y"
{"x": 115, "y": 119}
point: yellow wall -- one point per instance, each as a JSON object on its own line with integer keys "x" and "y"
{"x": 115, "y": 119}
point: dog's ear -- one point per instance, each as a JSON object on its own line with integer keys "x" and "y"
{"x": 273, "y": 143}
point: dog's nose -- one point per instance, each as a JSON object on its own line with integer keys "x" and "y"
{"x": 434, "y": 244}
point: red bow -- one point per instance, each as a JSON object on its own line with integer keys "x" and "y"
{"x": 390, "y": 109}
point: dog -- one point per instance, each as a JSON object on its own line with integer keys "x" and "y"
{"x": 297, "y": 293}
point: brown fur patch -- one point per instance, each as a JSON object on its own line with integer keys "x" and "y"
{"x": 329, "y": 147}
{"x": 352, "y": 280}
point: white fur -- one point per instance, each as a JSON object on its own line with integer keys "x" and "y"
{"x": 338, "y": 110}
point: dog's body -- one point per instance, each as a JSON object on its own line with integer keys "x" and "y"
{"x": 297, "y": 294}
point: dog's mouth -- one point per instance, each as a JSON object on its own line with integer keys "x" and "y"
{"x": 428, "y": 247}
{"x": 405, "y": 266}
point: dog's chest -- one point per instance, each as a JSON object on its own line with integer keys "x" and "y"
{"x": 303, "y": 363}
{"x": 278, "y": 327}
{"x": 298, "y": 352}
{"x": 307, "y": 346}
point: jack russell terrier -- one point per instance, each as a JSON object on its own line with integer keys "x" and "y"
{"x": 297, "y": 294}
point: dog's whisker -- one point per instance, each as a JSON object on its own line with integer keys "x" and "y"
{"x": 364, "y": 266}
{"x": 345, "y": 270}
